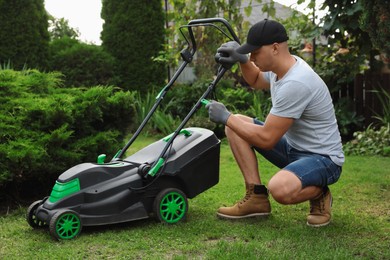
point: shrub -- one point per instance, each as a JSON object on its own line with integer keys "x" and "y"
{"x": 347, "y": 119}
{"x": 375, "y": 21}
{"x": 162, "y": 121}
{"x": 237, "y": 99}
{"x": 182, "y": 97}
{"x": 46, "y": 129}
{"x": 82, "y": 64}
{"x": 370, "y": 142}
{"x": 384, "y": 99}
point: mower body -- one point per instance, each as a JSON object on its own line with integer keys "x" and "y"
{"x": 118, "y": 191}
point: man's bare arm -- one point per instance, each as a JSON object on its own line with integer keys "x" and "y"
{"x": 253, "y": 76}
{"x": 262, "y": 136}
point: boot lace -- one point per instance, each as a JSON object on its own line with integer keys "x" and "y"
{"x": 246, "y": 198}
{"x": 317, "y": 205}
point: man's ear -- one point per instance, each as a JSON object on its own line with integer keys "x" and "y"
{"x": 275, "y": 48}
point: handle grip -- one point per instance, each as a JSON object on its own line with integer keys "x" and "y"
{"x": 205, "y": 101}
{"x": 216, "y": 20}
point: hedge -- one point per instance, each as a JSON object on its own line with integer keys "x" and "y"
{"x": 46, "y": 129}
{"x": 82, "y": 64}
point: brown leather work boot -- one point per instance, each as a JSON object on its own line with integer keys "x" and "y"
{"x": 255, "y": 203}
{"x": 320, "y": 210}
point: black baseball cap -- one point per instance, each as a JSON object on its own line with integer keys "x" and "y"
{"x": 263, "y": 33}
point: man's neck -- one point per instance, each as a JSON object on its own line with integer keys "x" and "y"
{"x": 284, "y": 66}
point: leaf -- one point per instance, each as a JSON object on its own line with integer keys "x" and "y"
{"x": 357, "y": 7}
{"x": 248, "y": 10}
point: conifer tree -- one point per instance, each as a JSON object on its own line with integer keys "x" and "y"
{"x": 133, "y": 33}
{"x": 24, "y": 37}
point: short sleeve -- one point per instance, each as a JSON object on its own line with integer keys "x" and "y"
{"x": 267, "y": 76}
{"x": 290, "y": 100}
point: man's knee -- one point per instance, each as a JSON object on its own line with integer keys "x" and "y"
{"x": 279, "y": 193}
{"x": 283, "y": 187}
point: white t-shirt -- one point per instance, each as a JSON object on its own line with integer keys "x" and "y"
{"x": 301, "y": 94}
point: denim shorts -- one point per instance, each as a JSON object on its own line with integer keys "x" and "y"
{"x": 312, "y": 169}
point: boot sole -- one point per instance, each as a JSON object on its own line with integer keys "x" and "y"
{"x": 220, "y": 215}
{"x": 318, "y": 225}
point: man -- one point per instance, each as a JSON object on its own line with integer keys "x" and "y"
{"x": 299, "y": 135}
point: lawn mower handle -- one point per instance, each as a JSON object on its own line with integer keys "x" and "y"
{"x": 155, "y": 167}
{"x": 216, "y": 20}
{"x": 209, "y": 22}
{"x": 187, "y": 55}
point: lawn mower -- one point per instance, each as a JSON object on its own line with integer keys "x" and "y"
{"x": 155, "y": 182}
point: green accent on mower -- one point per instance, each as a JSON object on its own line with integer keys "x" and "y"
{"x": 157, "y": 167}
{"x": 171, "y": 206}
{"x": 183, "y": 131}
{"x": 65, "y": 224}
{"x": 205, "y": 102}
{"x": 62, "y": 190}
{"x": 101, "y": 158}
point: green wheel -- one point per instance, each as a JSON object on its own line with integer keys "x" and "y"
{"x": 65, "y": 224}
{"x": 31, "y": 217}
{"x": 170, "y": 206}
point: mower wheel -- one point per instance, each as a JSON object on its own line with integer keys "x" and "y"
{"x": 170, "y": 206}
{"x": 65, "y": 224}
{"x": 31, "y": 218}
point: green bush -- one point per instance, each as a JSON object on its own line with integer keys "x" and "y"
{"x": 82, "y": 64}
{"x": 375, "y": 21}
{"x": 46, "y": 129}
{"x": 347, "y": 119}
{"x": 237, "y": 99}
{"x": 161, "y": 122}
{"x": 370, "y": 142}
{"x": 246, "y": 101}
{"x": 182, "y": 97}
{"x": 384, "y": 98}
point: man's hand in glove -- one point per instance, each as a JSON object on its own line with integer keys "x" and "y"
{"x": 227, "y": 53}
{"x": 218, "y": 112}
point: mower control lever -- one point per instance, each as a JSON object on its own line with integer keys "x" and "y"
{"x": 186, "y": 55}
{"x": 101, "y": 158}
{"x": 205, "y": 101}
{"x": 182, "y": 131}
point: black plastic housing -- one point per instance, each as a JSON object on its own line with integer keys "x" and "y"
{"x": 115, "y": 192}
{"x": 193, "y": 160}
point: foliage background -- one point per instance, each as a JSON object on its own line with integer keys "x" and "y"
{"x": 83, "y": 65}
{"x": 46, "y": 129}
{"x": 133, "y": 33}
{"x": 24, "y": 37}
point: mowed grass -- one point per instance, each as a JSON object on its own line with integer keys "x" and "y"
{"x": 360, "y": 228}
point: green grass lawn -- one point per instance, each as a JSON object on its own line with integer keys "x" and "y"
{"x": 360, "y": 228}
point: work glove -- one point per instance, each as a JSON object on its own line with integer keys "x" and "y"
{"x": 226, "y": 54}
{"x": 218, "y": 112}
